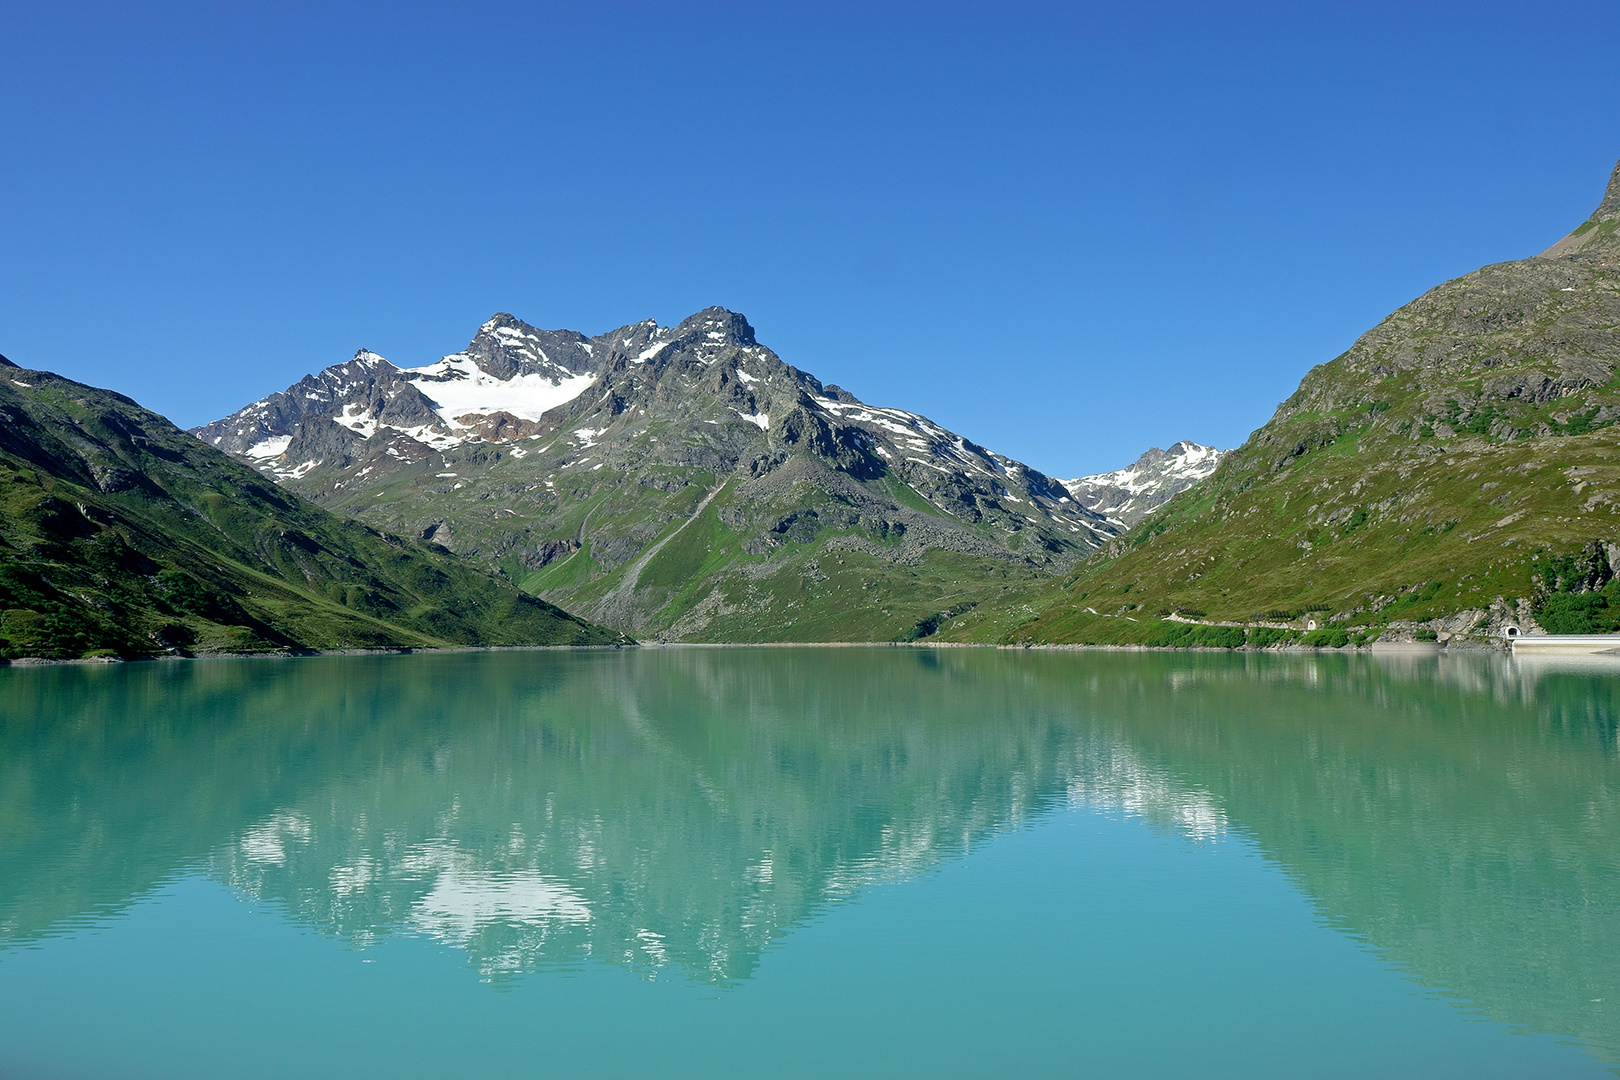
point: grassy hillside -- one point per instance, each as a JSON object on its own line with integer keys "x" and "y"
{"x": 1457, "y": 468}
{"x": 121, "y": 535}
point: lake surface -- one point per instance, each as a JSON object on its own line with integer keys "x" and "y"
{"x": 810, "y": 862}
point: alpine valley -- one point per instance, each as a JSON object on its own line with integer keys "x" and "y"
{"x": 678, "y": 482}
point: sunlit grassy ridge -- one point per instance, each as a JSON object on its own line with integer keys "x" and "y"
{"x": 1429, "y": 475}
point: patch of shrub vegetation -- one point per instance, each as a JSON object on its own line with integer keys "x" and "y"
{"x": 1326, "y": 638}
{"x": 175, "y": 636}
{"x": 1580, "y": 594}
{"x": 930, "y": 626}
{"x": 1185, "y": 636}
{"x": 186, "y": 594}
{"x": 1262, "y": 636}
{"x": 37, "y": 620}
{"x": 1579, "y": 424}
{"x": 1481, "y": 422}
{"x": 1581, "y": 572}
{"x": 1581, "y": 613}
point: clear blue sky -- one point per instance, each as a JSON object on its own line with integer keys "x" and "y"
{"x": 1065, "y": 231}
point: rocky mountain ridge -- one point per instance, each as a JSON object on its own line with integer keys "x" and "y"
{"x": 495, "y": 390}
{"x": 669, "y": 480}
{"x": 1126, "y": 496}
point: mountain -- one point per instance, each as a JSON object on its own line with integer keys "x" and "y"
{"x": 1126, "y": 496}
{"x": 122, "y": 535}
{"x": 679, "y": 481}
{"x": 1456, "y": 469}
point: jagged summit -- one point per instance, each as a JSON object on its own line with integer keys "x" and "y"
{"x": 717, "y": 320}
{"x": 579, "y": 465}
{"x": 495, "y": 390}
{"x": 1125, "y": 496}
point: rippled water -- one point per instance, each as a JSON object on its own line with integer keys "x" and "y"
{"x": 808, "y": 862}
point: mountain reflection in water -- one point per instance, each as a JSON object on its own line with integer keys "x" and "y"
{"x": 674, "y": 810}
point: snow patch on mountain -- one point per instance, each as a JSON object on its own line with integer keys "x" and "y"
{"x": 359, "y": 419}
{"x": 269, "y": 448}
{"x": 458, "y": 387}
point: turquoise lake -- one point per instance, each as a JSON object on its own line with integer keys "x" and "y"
{"x": 690, "y": 862}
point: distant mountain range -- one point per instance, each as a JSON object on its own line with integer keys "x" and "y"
{"x": 1126, "y": 496}
{"x": 122, "y": 535}
{"x": 679, "y": 481}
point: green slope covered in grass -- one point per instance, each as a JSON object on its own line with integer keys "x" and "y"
{"x": 1457, "y": 469}
{"x": 121, "y": 535}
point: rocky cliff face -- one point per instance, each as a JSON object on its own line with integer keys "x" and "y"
{"x": 1126, "y": 496}
{"x": 670, "y": 480}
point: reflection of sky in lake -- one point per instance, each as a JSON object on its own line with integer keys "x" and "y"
{"x": 678, "y": 812}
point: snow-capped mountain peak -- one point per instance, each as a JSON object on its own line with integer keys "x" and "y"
{"x": 532, "y": 450}
{"x": 494, "y": 390}
{"x": 1125, "y": 496}
{"x": 514, "y": 382}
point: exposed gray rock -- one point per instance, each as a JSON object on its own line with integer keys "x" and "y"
{"x": 1126, "y": 496}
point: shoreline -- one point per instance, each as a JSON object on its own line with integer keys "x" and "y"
{"x": 1392, "y": 648}
{"x": 304, "y": 654}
